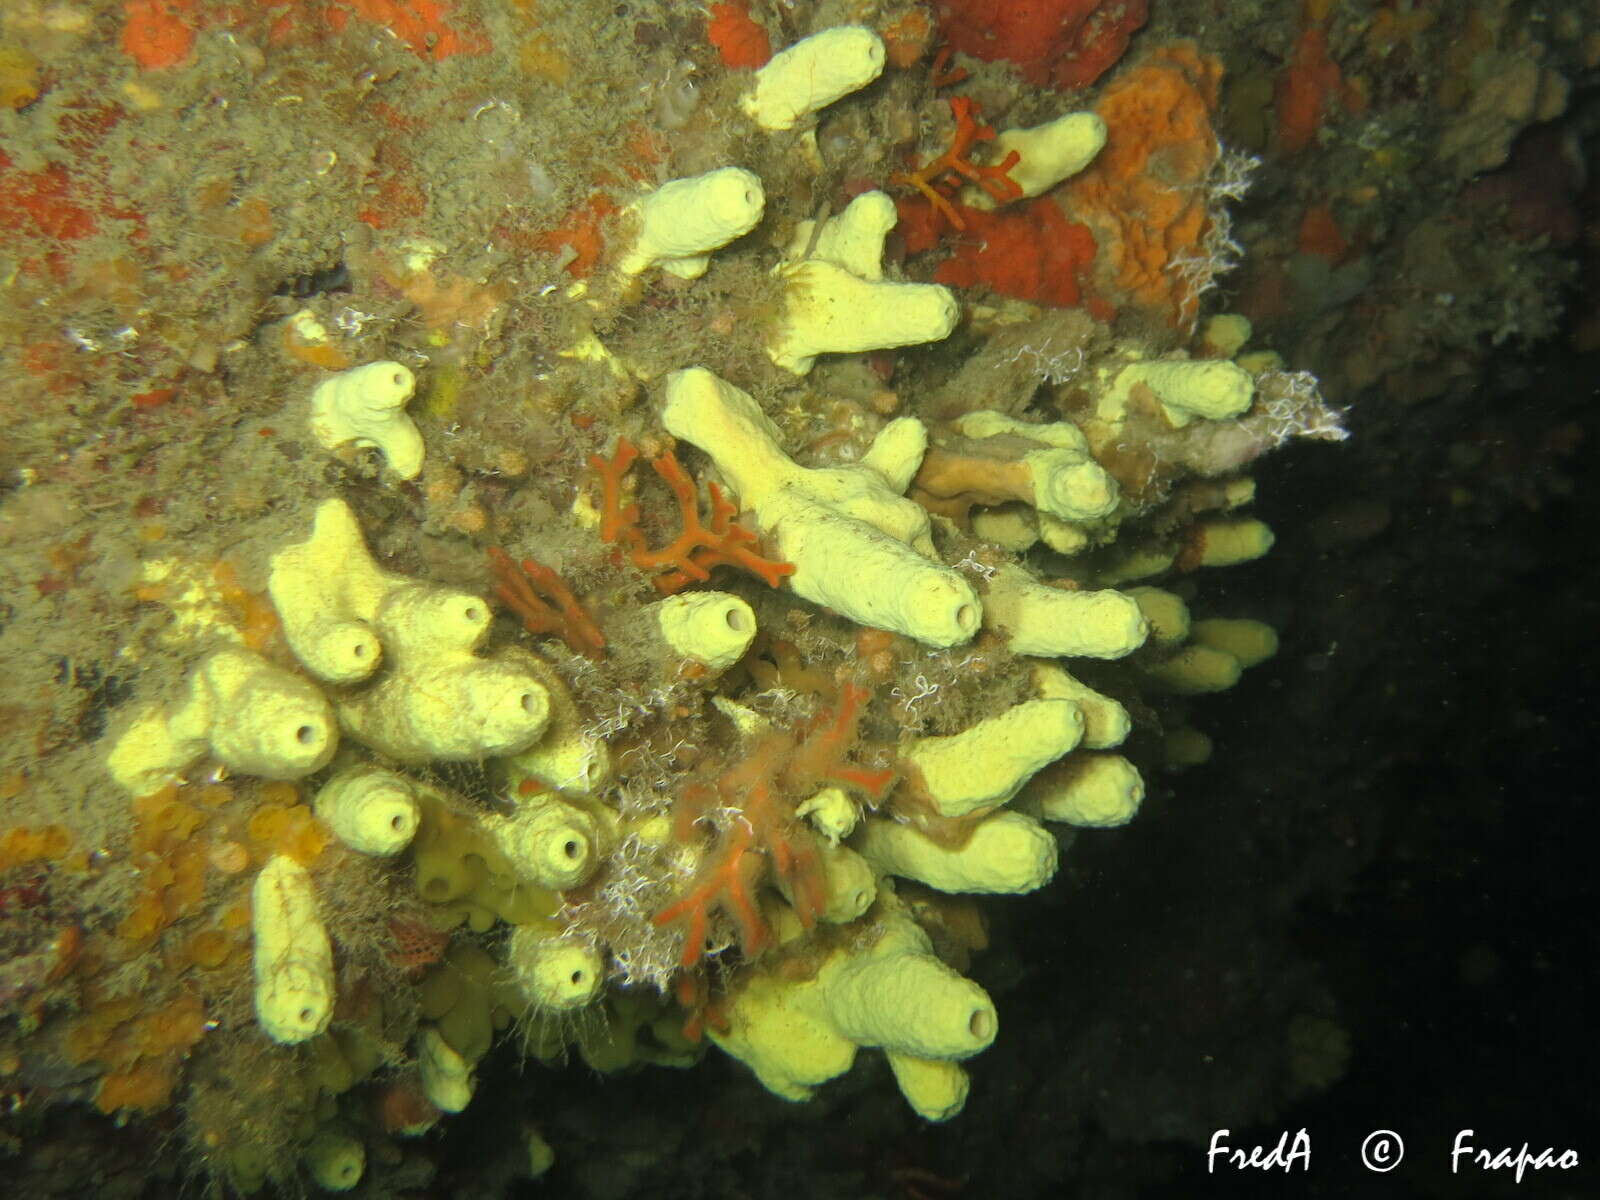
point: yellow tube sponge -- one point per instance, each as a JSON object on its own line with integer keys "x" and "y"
{"x": 812, "y": 74}
{"x": 681, "y": 222}
{"x": 335, "y": 1159}
{"x": 253, "y": 717}
{"x": 797, "y": 1034}
{"x": 555, "y": 974}
{"x": 713, "y": 628}
{"x": 984, "y": 765}
{"x": 1226, "y": 543}
{"x": 1052, "y": 622}
{"x": 370, "y": 809}
{"x": 857, "y": 544}
{"x": 829, "y": 310}
{"x": 448, "y": 1079}
{"x": 853, "y": 239}
{"x": 1050, "y": 152}
{"x": 1093, "y": 791}
{"x": 1105, "y": 722}
{"x": 365, "y": 406}
{"x": 1165, "y": 613}
{"x": 327, "y": 590}
{"x": 1062, "y": 478}
{"x": 1186, "y": 389}
{"x": 1251, "y": 642}
{"x": 439, "y": 700}
{"x": 551, "y": 842}
{"x": 936, "y": 1088}
{"x": 1008, "y": 853}
{"x": 1195, "y": 670}
{"x": 294, "y": 990}
{"x": 565, "y": 756}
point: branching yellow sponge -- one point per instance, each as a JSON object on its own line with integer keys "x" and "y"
{"x": 327, "y": 590}
{"x": 1165, "y": 613}
{"x": 1194, "y": 670}
{"x": 829, "y": 310}
{"x": 251, "y": 716}
{"x": 812, "y": 74}
{"x": 984, "y": 765}
{"x": 797, "y": 1034}
{"x": 1008, "y": 853}
{"x": 438, "y": 701}
{"x": 370, "y": 809}
{"x": 1227, "y": 542}
{"x": 1066, "y": 482}
{"x": 294, "y": 991}
{"x": 365, "y": 406}
{"x": 857, "y": 544}
{"x": 681, "y": 222}
{"x": 1054, "y": 622}
{"x": 852, "y": 240}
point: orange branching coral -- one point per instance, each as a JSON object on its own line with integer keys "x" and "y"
{"x": 530, "y": 591}
{"x": 759, "y": 828}
{"x": 1145, "y": 195}
{"x": 713, "y": 542}
{"x": 940, "y": 176}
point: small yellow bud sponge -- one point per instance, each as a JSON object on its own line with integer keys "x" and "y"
{"x": 812, "y": 74}
{"x": 293, "y": 959}
{"x": 857, "y": 544}
{"x": 251, "y": 716}
{"x": 984, "y": 765}
{"x": 335, "y": 1159}
{"x": 370, "y": 808}
{"x": 438, "y": 700}
{"x": 365, "y": 406}
{"x": 797, "y": 1034}
{"x": 681, "y": 222}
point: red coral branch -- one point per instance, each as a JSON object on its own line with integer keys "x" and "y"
{"x": 702, "y": 544}
{"x": 944, "y": 174}
{"x": 763, "y": 825}
{"x": 520, "y": 588}
{"x": 729, "y": 885}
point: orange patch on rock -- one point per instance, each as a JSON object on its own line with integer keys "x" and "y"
{"x": 1144, "y": 197}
